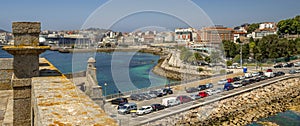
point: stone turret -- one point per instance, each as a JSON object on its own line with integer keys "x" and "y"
{"x": 92, "y": 89}
{"x": 26, "y": 52}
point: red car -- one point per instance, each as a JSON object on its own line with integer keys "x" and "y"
{"x": 203, "y": 94}
{"x": 184, "y": 99}
{"x": 269, "y": 70}
{"x": 229, "y": 80}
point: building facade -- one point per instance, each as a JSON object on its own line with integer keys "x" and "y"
{"x": 216, "y": 34}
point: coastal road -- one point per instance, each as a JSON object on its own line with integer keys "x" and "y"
{"x": 127, "y": 120}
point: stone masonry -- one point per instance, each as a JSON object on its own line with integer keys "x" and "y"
{"x": 25, "y": 66}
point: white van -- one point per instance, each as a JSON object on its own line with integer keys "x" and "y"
{"x": 171, "y": 101}
{"x": 269, "y": 74}
{"x": 248, "y": 75}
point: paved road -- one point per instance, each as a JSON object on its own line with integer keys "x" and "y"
{"x": 127, "y": 120}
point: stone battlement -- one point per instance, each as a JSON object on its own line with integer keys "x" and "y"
{"x": 57, "y": 101}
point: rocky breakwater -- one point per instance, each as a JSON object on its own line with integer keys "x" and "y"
{"x": 248, "y": 107}
{"x": 171, "y": 66}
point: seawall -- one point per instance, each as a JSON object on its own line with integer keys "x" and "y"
{"x": 241, "y": 109}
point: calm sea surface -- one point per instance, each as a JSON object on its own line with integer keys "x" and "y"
{"x": 122, "y": 71}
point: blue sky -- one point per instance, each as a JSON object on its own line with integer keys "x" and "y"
{"x": 72, "y": 14}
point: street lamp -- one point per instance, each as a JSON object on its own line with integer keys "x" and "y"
{"x": 105, "y": 84}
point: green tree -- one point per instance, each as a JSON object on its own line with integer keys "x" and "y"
{"x": 228, "y": 62}
{"x": 289, "y": 26}
{"x": 198, "y": 56}
{"x": 252, "y": 27}
{"x": 230, "y": 48}
{"x": 236, "y": 59}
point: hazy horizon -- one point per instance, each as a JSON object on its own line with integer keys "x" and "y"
{"x": 72, "y": 14}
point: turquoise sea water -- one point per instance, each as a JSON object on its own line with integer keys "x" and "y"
{"x": 122, "y": 71}
{"x": 287, "y": 118}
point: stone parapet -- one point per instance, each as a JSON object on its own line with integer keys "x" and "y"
{"x": 57, "y": 101}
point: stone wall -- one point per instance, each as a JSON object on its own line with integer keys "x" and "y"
{"x": 242, "y": 109}
{"x": 6, "y": 72}
{"x": 57, "y": 101}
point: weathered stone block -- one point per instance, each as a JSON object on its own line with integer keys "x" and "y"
{"x": 26, "y": 40}
{"x": 23, "y": 123}
{"x": 22, "y": 92}
{"x": 26, "y": 33}
{"x": 21, "y": 109}
{"x": 26, "y": 27}
{"x": 21, "y": 82}
{"x": 26, "y": 65}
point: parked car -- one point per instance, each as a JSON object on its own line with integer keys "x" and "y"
{"x": 136, "y": 97}
{"x": 292, "y": 71}
{"x": 203, "y": 94}
{"x": 280, "y": 73}
{"x": 260, "y": 73}
{"x": 236, "y": 79}
{"x": 237, "y": 84}
{"x": 167, "y": 91}
{"x": 184, "y": 99}
{"x": 288, "y": 65}
{"x": 222, "y": 81}
{"x": 125, "y": 109}
{"x": 119, "y": 101}
{"x": 212, "y": 91}
{"x": 248, "y": 75}
{"x": 269, "y": 74}
{"x": 157, "y": 93}
{"x": 152, "y": 94}
{"x": 257, "y": 79}
{"x": 171, "y": 101}
{"x": 255, "y": 74}
{"x": 146, "y": 95}
{"x": 195, "y": 96}
{"x": 229, "y": 80}
{"x": 201, "y": 87}
{"x": 269, "y": 70}
{"x": 297, "y": 64}
{"x": 157, "y": 107}
{"x": 228, "y": 86}
{"x": 252, "y": 80}
{"x": 245, "y": 82}
{"x": 278, "y": 66}
{"x": 263, "y": 77}
{"x": 242, "y": 77}
{"x": 191, "y": 90}
{"x": 209, "y": 85}
{"x": 297, "y": 71}
{"x": 144, "y": 110}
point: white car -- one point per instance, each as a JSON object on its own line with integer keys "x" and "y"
{"x": 237, "y": 84}
{"x": 255, "y": 74}
{"x": 242, "y": 77}
{"x": 195, "y": 96}
{"x": 144, "y": 110}
{"x": 222, "y": 81}
{"x": 211, "y": 91}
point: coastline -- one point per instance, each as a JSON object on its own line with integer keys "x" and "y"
{"x": 250, "y": 107}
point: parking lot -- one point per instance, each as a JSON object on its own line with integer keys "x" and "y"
{"x": 128, "y": 120}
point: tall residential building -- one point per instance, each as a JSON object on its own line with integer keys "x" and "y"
{"x": 216, "y": 34}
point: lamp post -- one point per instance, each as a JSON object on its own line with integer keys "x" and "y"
{"x": 105, "y": 84}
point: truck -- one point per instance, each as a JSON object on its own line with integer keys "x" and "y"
{"x": 171, "y": 101}
{"x": 269, "y": 74}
